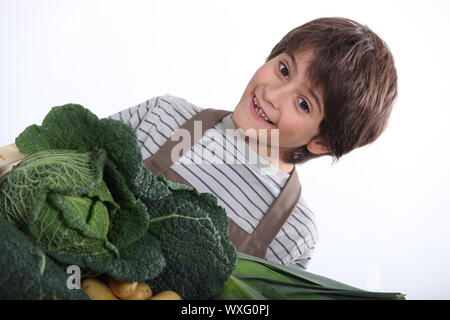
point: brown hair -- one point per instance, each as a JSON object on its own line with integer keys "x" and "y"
{"x": 355, "y": 71}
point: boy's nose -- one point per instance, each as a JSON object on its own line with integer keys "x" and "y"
{"x": 274, "y": 96}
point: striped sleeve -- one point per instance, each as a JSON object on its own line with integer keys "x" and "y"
{"x": 296, "y": 241}
{"x": 135, "y": 115}
{"x": 303, "y": 261}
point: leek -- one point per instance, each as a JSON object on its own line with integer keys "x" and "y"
{"x": 257, "y": 279}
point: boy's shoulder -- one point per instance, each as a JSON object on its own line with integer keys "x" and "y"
{"x": 178, "y": 103}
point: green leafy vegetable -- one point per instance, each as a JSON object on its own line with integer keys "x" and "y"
{"x": 84, "y": 197}
{"x": 60, "y": 199}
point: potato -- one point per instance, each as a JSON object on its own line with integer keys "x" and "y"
{"x": 122, "y": 289}
{"x": 142, "y": 292}
{"x": 97, "y": 290}
{"x": 166, "y": 295}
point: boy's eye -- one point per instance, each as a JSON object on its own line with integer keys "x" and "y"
{"x": 285, "y": 75}
{"x": 302, "y": 102}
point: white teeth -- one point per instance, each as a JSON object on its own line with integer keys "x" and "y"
{"x": 259, "y": 111}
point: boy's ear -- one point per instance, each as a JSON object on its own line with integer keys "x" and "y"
{"x": 317, "y": 147}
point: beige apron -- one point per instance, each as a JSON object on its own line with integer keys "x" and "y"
{"x": 254, "y": 243}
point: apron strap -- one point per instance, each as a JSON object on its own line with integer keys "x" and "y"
{"x": 279, "y": 211}
{"x": 162, "y": 160}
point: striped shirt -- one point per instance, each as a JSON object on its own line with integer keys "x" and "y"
{"x": 246, "y": 189}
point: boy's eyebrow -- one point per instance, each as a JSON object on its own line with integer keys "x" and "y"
{"x": 294, "y": 63}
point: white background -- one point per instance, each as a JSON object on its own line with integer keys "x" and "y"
{"x": 383, "y": 210}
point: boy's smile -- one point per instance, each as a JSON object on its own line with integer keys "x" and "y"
{"x": 285, "y": 99}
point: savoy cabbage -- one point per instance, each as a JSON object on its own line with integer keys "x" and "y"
{"x": 84, "y": 197}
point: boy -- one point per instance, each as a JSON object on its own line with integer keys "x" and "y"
{"x": 326, "y": 88}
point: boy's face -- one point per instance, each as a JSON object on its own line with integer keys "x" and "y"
{"x": 289, "y": 102}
